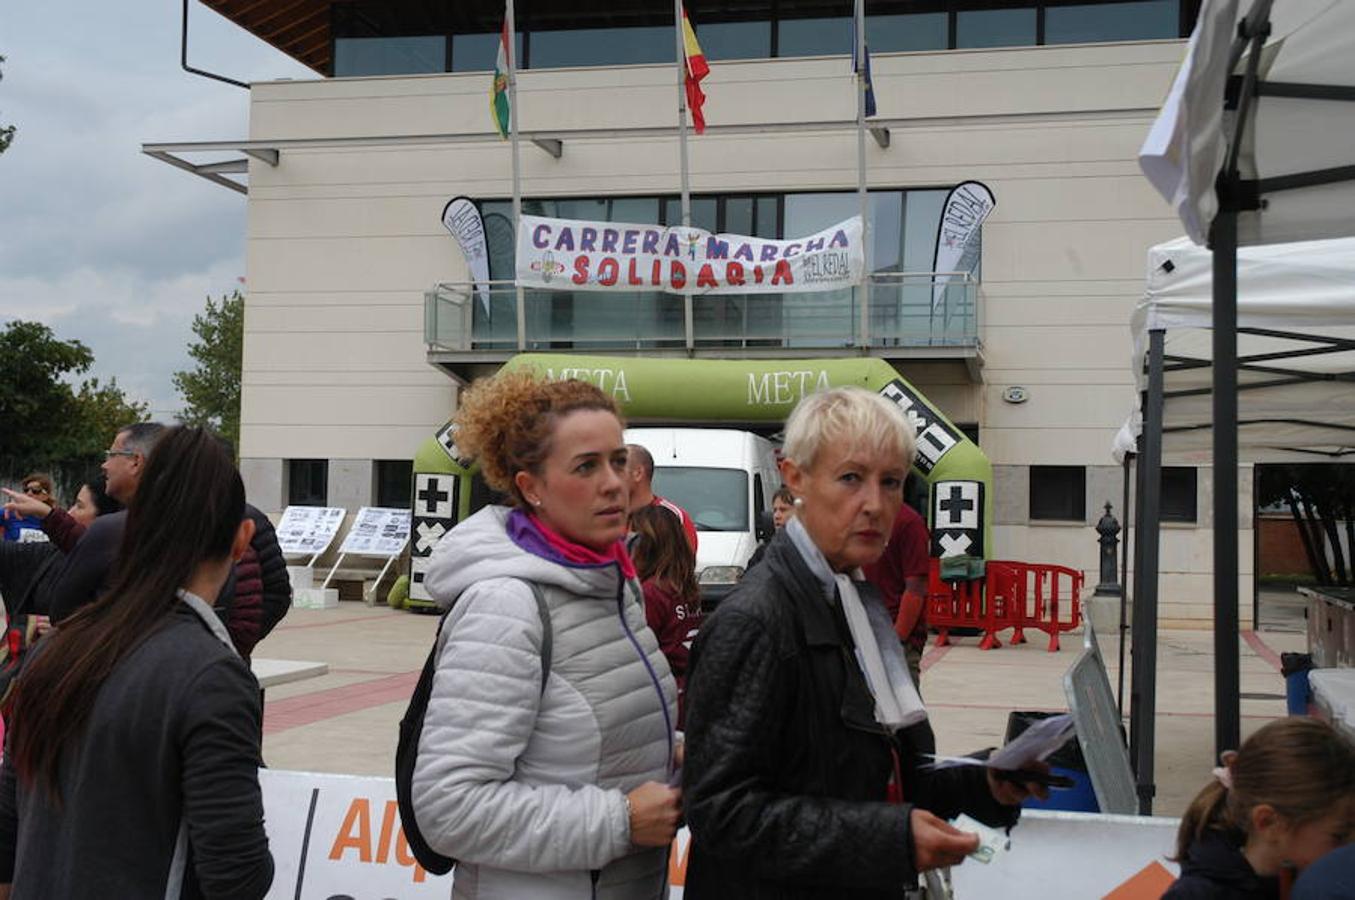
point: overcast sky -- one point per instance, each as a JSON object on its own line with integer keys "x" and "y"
{"x": 98, "y": 240}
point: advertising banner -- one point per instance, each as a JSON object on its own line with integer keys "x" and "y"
{"x": 308, "y": 530}
{"x": 573, "y": 255}
{"x": 339, "y": 836}
{"x": 461, "y": 217}
{"x": 377, "y": 531}
{"x": 957, "y": 236}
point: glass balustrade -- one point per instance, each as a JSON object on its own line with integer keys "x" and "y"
{"x": 902, "y": 309}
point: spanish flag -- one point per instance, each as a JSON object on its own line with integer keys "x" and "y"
{"x": 696, "y": 68}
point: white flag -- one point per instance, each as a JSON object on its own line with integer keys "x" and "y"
{"x": 462, "y": 219}
{"x": 957, "y": 235}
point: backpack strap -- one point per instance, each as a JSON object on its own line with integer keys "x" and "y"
{"x": 547, "y": 633}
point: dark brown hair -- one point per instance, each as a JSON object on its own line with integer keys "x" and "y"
{"x": 1299, "y": 766}
{"x": 662, "y": 553}
{"x": 186, "y": 512}
{"x": 506, "y": 423}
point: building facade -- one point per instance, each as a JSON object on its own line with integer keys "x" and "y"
{"x": 358, "y": 327}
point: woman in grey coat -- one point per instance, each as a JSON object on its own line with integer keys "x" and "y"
{"x": 546, "y": 784}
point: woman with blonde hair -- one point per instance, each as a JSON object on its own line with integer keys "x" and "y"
{"x": 546, "y": 781}
{"x": 805, "y": 774}
{"x": 1274, "y": 807}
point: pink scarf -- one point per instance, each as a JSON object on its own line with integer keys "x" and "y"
{"x": 581, "y": 555}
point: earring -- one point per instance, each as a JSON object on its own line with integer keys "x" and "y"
{"x": 799, "y": 502}
{"x": 536, "y": 502}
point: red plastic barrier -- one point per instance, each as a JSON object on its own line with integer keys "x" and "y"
{"x": 1015, "y": 595}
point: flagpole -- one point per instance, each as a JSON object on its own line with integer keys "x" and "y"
{"x": 521, "y": 300}
{"x": 687, "y": 315}
{"x": 862, "y": 196}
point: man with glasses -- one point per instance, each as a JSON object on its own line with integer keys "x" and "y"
{"x": 256, "y": 596}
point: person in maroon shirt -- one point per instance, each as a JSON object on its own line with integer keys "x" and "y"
{"x": 900, "y": 574}
{"x": 640, "y": 479}
{"x": 666, "y": 566}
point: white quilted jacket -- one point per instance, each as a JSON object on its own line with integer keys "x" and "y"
{"x": 525, "y": 787}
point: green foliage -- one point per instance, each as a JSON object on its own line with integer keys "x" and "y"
{"x": 47, "y": 420}
{"x": 211, "y": 391}
{"x": 1321, "y": 499}
{"x": 6, "y": 131}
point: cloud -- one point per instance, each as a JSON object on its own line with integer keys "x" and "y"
{"x": 98, "y": 240}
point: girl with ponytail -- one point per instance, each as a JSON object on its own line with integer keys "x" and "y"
{"x": 1283, "y": 800}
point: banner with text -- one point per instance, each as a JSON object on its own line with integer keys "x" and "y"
{"x": 958, "y": 239}
{"x": 573, "y": 255}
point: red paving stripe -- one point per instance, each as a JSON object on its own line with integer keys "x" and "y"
{"x": 299, "y": 625}
{"x": 1254, "y": 641}
{"x": 307, "y": 709}
{"x": 933, "y": 656}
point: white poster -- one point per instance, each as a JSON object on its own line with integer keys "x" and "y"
{"x": 573, "y": 255}
{"x": 377, "y": 531}
{"x": 308, "y": 530}
{"x": 957, "y": 235}
{"x": 461, "y": 217}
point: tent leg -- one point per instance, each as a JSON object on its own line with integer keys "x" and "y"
{"x": 1124, "y": 587}
{"x": 1146, "y": 580}
{"x": 1227, "y": 681}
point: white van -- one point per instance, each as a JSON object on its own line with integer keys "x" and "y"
{"x": 724, "y": 479}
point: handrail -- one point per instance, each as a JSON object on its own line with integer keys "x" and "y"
{"x": 898, "y": 305}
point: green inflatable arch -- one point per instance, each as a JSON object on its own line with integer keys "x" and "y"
{"x": 732, "y": 393}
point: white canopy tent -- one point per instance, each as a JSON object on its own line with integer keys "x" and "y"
{"x": 1254, "y": 144}
{"x": 1296, "y": 351}
{"x": 1289, "y": 133}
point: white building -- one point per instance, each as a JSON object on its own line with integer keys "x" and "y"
{"x": 349, "y": 363}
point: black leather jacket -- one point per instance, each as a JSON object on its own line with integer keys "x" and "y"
{"x": 786, "y": 769}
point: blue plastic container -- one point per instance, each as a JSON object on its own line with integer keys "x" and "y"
{"x": 1081, "y": 797}
{"x": 1297, "y": 693}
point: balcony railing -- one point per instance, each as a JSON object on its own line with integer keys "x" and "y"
{"x": 898, "y": 306}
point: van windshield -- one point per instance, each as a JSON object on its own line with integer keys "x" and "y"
{"x": 716, "y": 499}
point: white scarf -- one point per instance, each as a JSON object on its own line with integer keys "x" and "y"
{"x": 878, "y": 652}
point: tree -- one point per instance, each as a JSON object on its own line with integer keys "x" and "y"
{"x": 6, "y": 131}
{"x": 1319, "y": 496}
{"x": 211, "y": 391}
{"x": 47, "y": 420}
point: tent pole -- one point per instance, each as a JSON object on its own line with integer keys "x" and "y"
{"x": 1227, "y": 680}
{"x": 1145, "y": 605}
{"x": 1124, "y": 586}
{"x": 1136, "y": 610}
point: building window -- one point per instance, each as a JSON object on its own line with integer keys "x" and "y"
{"x": 814, "y": 37}
{"x": 1087, "y": 23}
{"x": 393, "y": 482}
{"x": 995, "y": 28}
{"x": 390, "y": 55}
{"x": 1178, "y": 497}
{"x": 601, "y": 47}
{"x": 307, "y": 482}
{"x": 919, "y": 31}
{"x": 1058, "y": 493}
{"x": 479, "y": 52}
{"x": 377, "y": 37}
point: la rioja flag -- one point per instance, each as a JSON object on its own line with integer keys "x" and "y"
{"x": 499, "y": 107}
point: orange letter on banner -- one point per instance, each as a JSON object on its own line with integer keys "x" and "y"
{"x": 383, "y": 845}
{"x": 405, "y": 858}
{"x": 677, "y": 864}
{"x": 356, "y": 832}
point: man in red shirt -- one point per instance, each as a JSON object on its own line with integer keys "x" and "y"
{"x": 640, "y": 473}
{"x": 901, "y": 574}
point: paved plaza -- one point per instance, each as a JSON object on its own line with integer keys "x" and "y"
{"x": 345, "y": 721}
